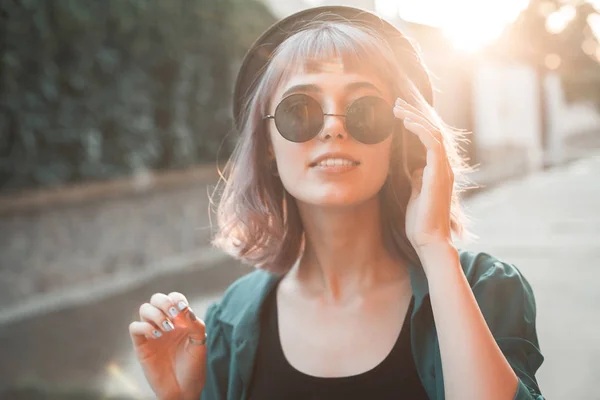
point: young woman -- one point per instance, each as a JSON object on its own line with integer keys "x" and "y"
{"x": 343, "y": 192}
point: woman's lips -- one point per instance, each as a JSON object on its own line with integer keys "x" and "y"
{"x": 335, "y": 168}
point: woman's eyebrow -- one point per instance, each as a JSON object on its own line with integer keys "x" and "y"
{"x": 351, "y": 87}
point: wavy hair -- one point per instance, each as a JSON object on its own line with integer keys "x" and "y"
{"x": 258, "y": 220}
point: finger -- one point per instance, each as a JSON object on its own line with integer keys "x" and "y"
{"x": 185, "y": 310}
{"x": 165, "y": 304}
{"x": 149, "y": 313}
{"x": 424, "y": 134}
{"x": 179, "y": 299}
{"x": 403, "y": 113}
{"x": 197, "y": 327}
{"x": 143, "y": 331}
{"x": 411, "y": 115}
{"x": 407, "y": 110}
{"x": 402, "y": 104}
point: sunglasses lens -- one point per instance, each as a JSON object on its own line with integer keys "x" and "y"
{"x": 298, "y": 118}
{"x": 370, "y": 120}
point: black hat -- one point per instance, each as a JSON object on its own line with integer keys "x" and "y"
{"x": 262, "y": 49}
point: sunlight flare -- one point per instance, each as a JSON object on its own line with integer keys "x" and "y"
{"x": 469, "y": 24}
{"x": 117, "y": 373}
{"x": 558, "y": 20}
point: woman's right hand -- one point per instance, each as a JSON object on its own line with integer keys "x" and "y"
{"x": 169, "y": 343}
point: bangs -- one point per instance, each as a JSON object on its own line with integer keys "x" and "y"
{"x": 333, "y": 47}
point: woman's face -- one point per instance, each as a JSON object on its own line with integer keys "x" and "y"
{"x": 321, "y": 184}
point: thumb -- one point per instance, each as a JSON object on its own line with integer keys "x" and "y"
{"x": 191, "y": 366}
{"x": 196, "y": 334}
{"x": 196, "y": 327}
{"x": 190, "y": 324}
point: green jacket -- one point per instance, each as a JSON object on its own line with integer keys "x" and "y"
{"x": 502, "y": 292}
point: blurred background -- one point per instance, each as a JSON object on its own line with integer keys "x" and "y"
{"x": 115, "y": 115}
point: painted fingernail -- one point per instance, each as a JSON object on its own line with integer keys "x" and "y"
{"x": 156, "y": 333}
{"x": 192, "y": 315}
{"x": 181, "y": 305}
{"x": 168, "y": 326}
{"x": 173, "y": 312}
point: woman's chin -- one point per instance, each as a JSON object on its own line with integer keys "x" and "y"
{"x": 335, "y": 200}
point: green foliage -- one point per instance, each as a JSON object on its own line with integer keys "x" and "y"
{"x": 99, "y": 89}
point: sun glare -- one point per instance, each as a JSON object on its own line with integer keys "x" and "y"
{"x": 469, "y": 24}
{"x": 115, "y": 371}
{"x": 558, "y": 20}
{"x": 593, "y": 21}
{"x": 464, "y": 37}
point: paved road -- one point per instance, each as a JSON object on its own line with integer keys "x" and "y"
{"x": 547, "y": 224}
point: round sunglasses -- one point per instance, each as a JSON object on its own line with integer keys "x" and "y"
{"x": 299, "y": 118}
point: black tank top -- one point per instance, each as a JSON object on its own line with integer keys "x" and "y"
{"x": 275, "y": 379}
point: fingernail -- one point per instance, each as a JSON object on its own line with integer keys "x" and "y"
{"x": 192, "y": 315}
{"x": 173, "y": 312}
{"x": 408, "y": 121}
{"x": 181, "y": 305}
{"x": 156, "y": 333}
{"x": 168, "y": 326}
{"x": 398, "y": 101}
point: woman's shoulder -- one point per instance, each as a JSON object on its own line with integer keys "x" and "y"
{"x": 479, "y": 266}
{"x": 498, "y": 286}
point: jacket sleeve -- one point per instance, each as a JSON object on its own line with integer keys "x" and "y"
{"x": 507, "y": 302}
{"x": 217, "y": 357}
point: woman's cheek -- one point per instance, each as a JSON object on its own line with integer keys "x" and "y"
{"x": 291, "y": 161}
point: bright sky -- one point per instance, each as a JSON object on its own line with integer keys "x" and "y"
{"x": 470, "y": 24}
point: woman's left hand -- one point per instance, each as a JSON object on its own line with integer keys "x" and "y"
{"x": 428, "y": 209}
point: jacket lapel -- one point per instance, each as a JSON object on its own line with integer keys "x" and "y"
{"x": 245, "y": 321}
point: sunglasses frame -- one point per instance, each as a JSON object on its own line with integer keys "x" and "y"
{"x": 269, "y": 116}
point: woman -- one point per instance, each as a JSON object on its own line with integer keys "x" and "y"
{"x": 342, "y": 191}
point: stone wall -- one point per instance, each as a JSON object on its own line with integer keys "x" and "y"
{"x": 54, "y": 240}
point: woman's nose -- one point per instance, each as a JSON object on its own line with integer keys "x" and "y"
{"x": 333, "y": 127}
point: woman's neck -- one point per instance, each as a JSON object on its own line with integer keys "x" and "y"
{"x": 345, "y": 254}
